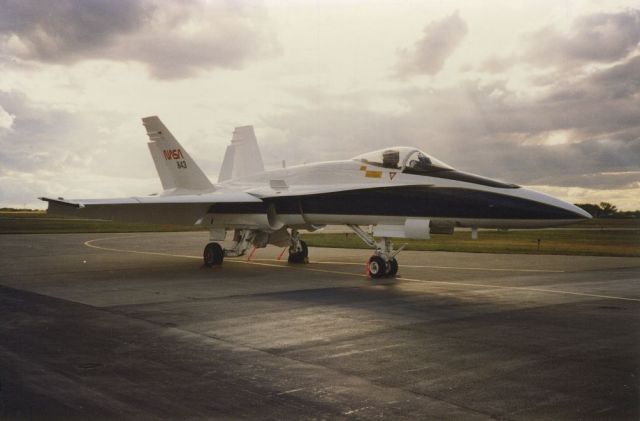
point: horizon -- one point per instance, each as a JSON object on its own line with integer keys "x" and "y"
{"x": 543, "y": 94}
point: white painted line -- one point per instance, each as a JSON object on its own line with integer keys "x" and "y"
{"x": 437, "y": 267}
{"x": 362, "y": 351}
{"x": 290, "y": 391}
{"x": 353, "y": 411}
{"x": 417, "y": 369}
{"x": 89, "y": 243}
{"x": 531, "y": 289}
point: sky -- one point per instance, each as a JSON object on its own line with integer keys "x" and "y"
{"x": 545, "y": 94}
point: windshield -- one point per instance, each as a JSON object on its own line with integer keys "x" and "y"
{"x": 419, "y": 162}
{"x": 403, "y": 157}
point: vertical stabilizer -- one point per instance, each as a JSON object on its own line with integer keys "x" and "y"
{"x": 242, "y": 157}
{"x": 177, "y": 170}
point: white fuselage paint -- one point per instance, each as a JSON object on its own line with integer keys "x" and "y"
{"x": 182, "y": 206}
{"x": 336, "y": 176}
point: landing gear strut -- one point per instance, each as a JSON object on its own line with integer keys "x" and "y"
{"x": 383, "y": 263}
{"x": 214, "y": 254}
{"x": 244, "y": 239}
{"x": 298, "y": 251}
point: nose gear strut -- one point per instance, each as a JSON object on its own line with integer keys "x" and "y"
{"x": 383, "y": 263}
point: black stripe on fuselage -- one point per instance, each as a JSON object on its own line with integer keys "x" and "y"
{"x": 410, "y": 201}
{"x": 461, "y": 176}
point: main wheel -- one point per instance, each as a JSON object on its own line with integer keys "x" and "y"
{"x": 392, "y": 268}
{"x": 213, "y": 254}
{"x": 377, "y": 267}
{"x": 299, "y": 256}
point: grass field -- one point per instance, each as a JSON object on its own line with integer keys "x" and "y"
{"x": 41, "y": 223}
{"x": 605, "y": 237}
{"x": 605, "y": 242}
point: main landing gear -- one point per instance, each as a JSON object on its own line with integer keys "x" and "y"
{"x": 383, "y": 263}
{"x": 244, "y": 239}
{"x": 214, "y": 254}
{"x": 298, "y": 251}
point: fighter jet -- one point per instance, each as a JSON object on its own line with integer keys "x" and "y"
{"x": 395, "y": 192}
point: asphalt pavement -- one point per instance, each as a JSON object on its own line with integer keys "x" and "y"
{"x": 126, "y": 326}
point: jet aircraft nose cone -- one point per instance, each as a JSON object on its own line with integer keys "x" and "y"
{"x": 570, "y": 211}
{"x": 580, "y": 212}
{"x": 575, "y": 210}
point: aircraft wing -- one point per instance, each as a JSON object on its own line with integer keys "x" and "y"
{"x": 185, "y": 209}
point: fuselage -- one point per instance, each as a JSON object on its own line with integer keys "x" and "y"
{"x": 359, "y": 193}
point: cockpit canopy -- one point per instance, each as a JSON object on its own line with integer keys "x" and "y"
{"x": 403, "y": 158}
{"x": 413, "y": 161}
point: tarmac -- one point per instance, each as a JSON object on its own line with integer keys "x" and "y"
{"x": 124, "y": 326}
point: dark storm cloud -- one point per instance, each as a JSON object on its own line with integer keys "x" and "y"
{"x": 569, "y": 135}
{"x": 172, "y": 39}
{"x": 601, "y": 37}
{"x": 46, "y": 150}
{"x": 596, "y": 117}
{"x": 604, "y": 101}
{"x": 45, "y": 139}
{"x": 38, "y": 138}
{"x": 65, "y": 30}
{"x": 438, "y": 42}
{"x": 596, "y": 164}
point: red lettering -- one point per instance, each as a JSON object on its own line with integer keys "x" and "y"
{"x": 170, "y": 154}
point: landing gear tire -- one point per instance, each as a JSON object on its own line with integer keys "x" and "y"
{"x": 299, "y": 256}
{"x": 213, "y": 255}
{"x": 392, "y": 268}
{"x": 377, "y": 267}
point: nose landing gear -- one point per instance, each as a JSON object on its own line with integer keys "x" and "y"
{"x": 383, "y": 263}
{"x": 379, "y": 268}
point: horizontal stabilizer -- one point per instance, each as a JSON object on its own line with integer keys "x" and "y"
{"x": 61, "y": 202}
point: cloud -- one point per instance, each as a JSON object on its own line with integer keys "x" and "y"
{"x": 580, "y": 133}
{"x": 172, "y": 39}
{"x": 438, "y": 42}
{"x": 66, "y": 30}
{"x": 600, "y": 37}
{"x": 35, "y": 134}
{"x": 51, "y": 151}
{"x": 497, "y": 64}
{"x": 6, "y": 119}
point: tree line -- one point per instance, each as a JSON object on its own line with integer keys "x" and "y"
{"x": 607, "y": 210}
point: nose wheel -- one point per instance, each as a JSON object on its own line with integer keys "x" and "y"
{"x": 392, "y": 268}
{"x": 379, "y": 268}
{"x": 383, "y": 263}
